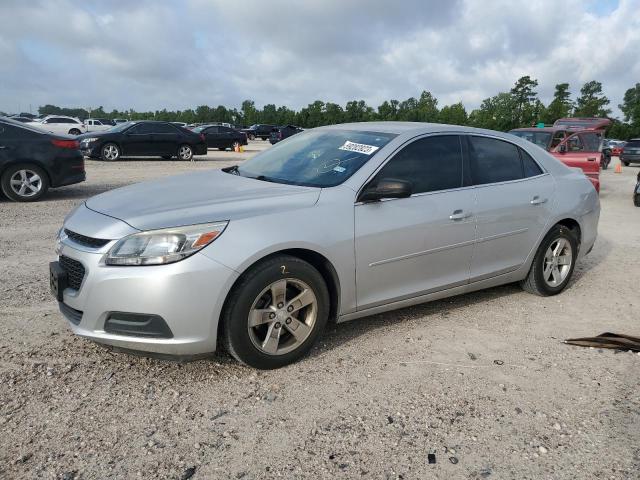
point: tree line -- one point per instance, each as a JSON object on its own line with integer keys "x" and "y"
{"x": 519, "y": 107}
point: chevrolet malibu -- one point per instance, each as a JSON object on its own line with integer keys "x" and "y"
{"x": 333, "y": 224}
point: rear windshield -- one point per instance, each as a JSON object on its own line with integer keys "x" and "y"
{"x": 316, "y": 158}
{"x": 542, "y": 139}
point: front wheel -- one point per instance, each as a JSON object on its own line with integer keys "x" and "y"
{"x": 275, "y": 313}
{"x": 74, "y": 131}
{"x": 553, "y": 264}
{"x": 626, "y": 164}
{"x": 185, "y": 152}
{"x": 24, "y": 183}
{"x": 110, "y": 152}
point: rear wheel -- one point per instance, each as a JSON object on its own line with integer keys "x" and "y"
{"x": 626, "y": 164}
{"x": 74, "y": 131}
{"x": 275, "y": 313}
{"x": 553, "y": 264}
{"x": 110, "y": 152}
{"x": 24, "y": 183}
{"x": 185, "y": 152}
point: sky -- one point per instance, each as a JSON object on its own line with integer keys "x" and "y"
{"x": 155, "y": 54}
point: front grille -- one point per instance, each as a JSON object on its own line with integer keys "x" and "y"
{"x": 73, "y": 315}
{"x": 75, "y": 271}
{"x": 86, "y": 241}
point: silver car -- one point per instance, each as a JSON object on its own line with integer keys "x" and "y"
{"x": 332, "y": 224}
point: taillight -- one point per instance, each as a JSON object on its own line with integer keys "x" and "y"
{"x": 202, "y": 137}
{"x": 66, "y": 143}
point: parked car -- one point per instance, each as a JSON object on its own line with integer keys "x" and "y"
{"x": 32, "y": 161}
{"x": 60, "y": 124}
{"x": 143, "y": 138}
{"x": 99, "y": 124}
{"x": 616, "y": 147}
{"x": 636, "y": 192}
{"x": 576, "y": 149}
{"x": 630, "y": 153}
{"x": 221, "y": 137}
{"x": 120, "y": 120}
{"x": 180, "y": 124}
{"x": 280, "y": 133}
{"x": 336, "y": 223}
{"x": 261, "y": 130}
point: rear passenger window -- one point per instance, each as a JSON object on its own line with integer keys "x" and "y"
{"x": 531, "y": 168}
{"x": 493, "y": 160}
{"x": 163, "y": 128}
{"x": 430, "y": 164}
{"x": 591, "y": 141}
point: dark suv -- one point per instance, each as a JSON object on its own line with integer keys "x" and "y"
{"x": 261, "y": 130}
{"x": 280, "y": 133}
{"x": 630, "y": 152}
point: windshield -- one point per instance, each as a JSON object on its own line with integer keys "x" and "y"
{"x": 199, "y": 129}
{"x": 316, "y": 158}
{"x": 120, "y": 127}
{"x": 542, "y": 139}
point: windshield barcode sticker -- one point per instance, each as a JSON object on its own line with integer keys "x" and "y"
{"x": 358, "y": 147}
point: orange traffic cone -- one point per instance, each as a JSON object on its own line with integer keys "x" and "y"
{"x": 618, "y": 168}
{"x": 236, "y": 149}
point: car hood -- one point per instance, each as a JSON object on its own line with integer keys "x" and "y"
{"x": 199, "y": 197}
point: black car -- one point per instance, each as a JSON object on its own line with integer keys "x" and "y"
{"x": 32, "y": 161}
{"x": 261, "y": 130}
{"x": 280, "y": 133}
{"x": 630, "y": 152}
{"x": 218, "y": 136}
{"x": 143, "y": 138}
{"x": 636, "y": 192}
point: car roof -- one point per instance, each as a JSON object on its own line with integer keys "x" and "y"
{"x": 16, "y": 123}
{"x": 416, "y": 128}
{"x": 536, "y": 129}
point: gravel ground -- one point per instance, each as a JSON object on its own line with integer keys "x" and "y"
{"x": 481, "y": 381}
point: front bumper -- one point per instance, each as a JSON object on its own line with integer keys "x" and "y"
{"x": 187, "y": 295}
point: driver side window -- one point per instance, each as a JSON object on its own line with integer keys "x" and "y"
{"x": 430, "y": 164}
{"x": 574, "y": 144}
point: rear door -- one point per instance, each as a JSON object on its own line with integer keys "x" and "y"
{"x": 413, "y": 246}
{"x": 212, "y": 136}
{"x": 165, "y": 139}
{"x": 514, "y": 198}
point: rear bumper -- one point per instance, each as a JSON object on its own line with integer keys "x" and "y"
{"x": 627, "y": 157}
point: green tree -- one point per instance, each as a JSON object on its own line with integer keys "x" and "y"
{"x": 454, "y": 114}
{"x": 592, "y": 102}
{"x": 358, "y": 111}
{"x": 333, "y": 114}
{"x": 249, "y": 112}
{"x": 388, "y": 110}
{"x": 427, "y": 107}
{"x": 524, "y": 102}
{"x": 561, "y": 106}
{"x": 495, "y": 113}
{"x": 630, "y": 107}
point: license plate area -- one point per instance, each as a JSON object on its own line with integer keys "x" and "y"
{"x": 58, "y": 280}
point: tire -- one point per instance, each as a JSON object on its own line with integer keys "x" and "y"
{"x": 251, "y": 137}
{"x": 74, "y": 131}
{"x": 185, "y": 152}
{"x": 31, "y": 180}
{"x": 626, "y": 164}
{"x": 264, "y": 138}
{"x": 110, "y": 152}
{"x": 636, "y": 199}
{"x": 255, "y": 346}
{"x": 536, "y": 282}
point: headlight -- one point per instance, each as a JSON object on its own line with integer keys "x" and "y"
{"x": 90, "y": 139}
{"x": 158, "y": 247}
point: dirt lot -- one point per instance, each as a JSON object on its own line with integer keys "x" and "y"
{"x": 482, "y": 381}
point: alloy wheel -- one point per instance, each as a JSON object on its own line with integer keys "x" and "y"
{"x": 26, "y": 183}
{"x": 557, "y": 262}
{"x": 283, "y": 316}
{"x": 185, "y": 152}
{"x": 110, "y": 152}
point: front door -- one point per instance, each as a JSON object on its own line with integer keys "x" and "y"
{"x": 138, "y": 140}
{"x": 413, "y": 246}
{"x": 581, "y": 150}
{"x": 515, "y": 198}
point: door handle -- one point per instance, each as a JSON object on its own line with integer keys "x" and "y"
{"x": 459, "y": 215}
{"x": 591, "y": 159}
{"x": 537, "y": 200}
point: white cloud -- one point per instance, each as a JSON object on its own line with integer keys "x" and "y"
{"x": 150, "y": 54}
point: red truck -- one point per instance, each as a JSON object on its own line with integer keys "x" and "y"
{"x": 576, "y": 142}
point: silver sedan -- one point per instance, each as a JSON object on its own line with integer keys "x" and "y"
{"x": 332, "y": 224}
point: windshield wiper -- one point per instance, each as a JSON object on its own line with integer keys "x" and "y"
{"x": 266, "y": 179}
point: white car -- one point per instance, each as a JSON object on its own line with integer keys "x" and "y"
{"x": 98, "y": 124}
{"x": 60, "y": 124}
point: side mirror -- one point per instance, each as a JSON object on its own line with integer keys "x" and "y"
{"x": 386, "y": 188}
{"x": 562, "y": 148}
